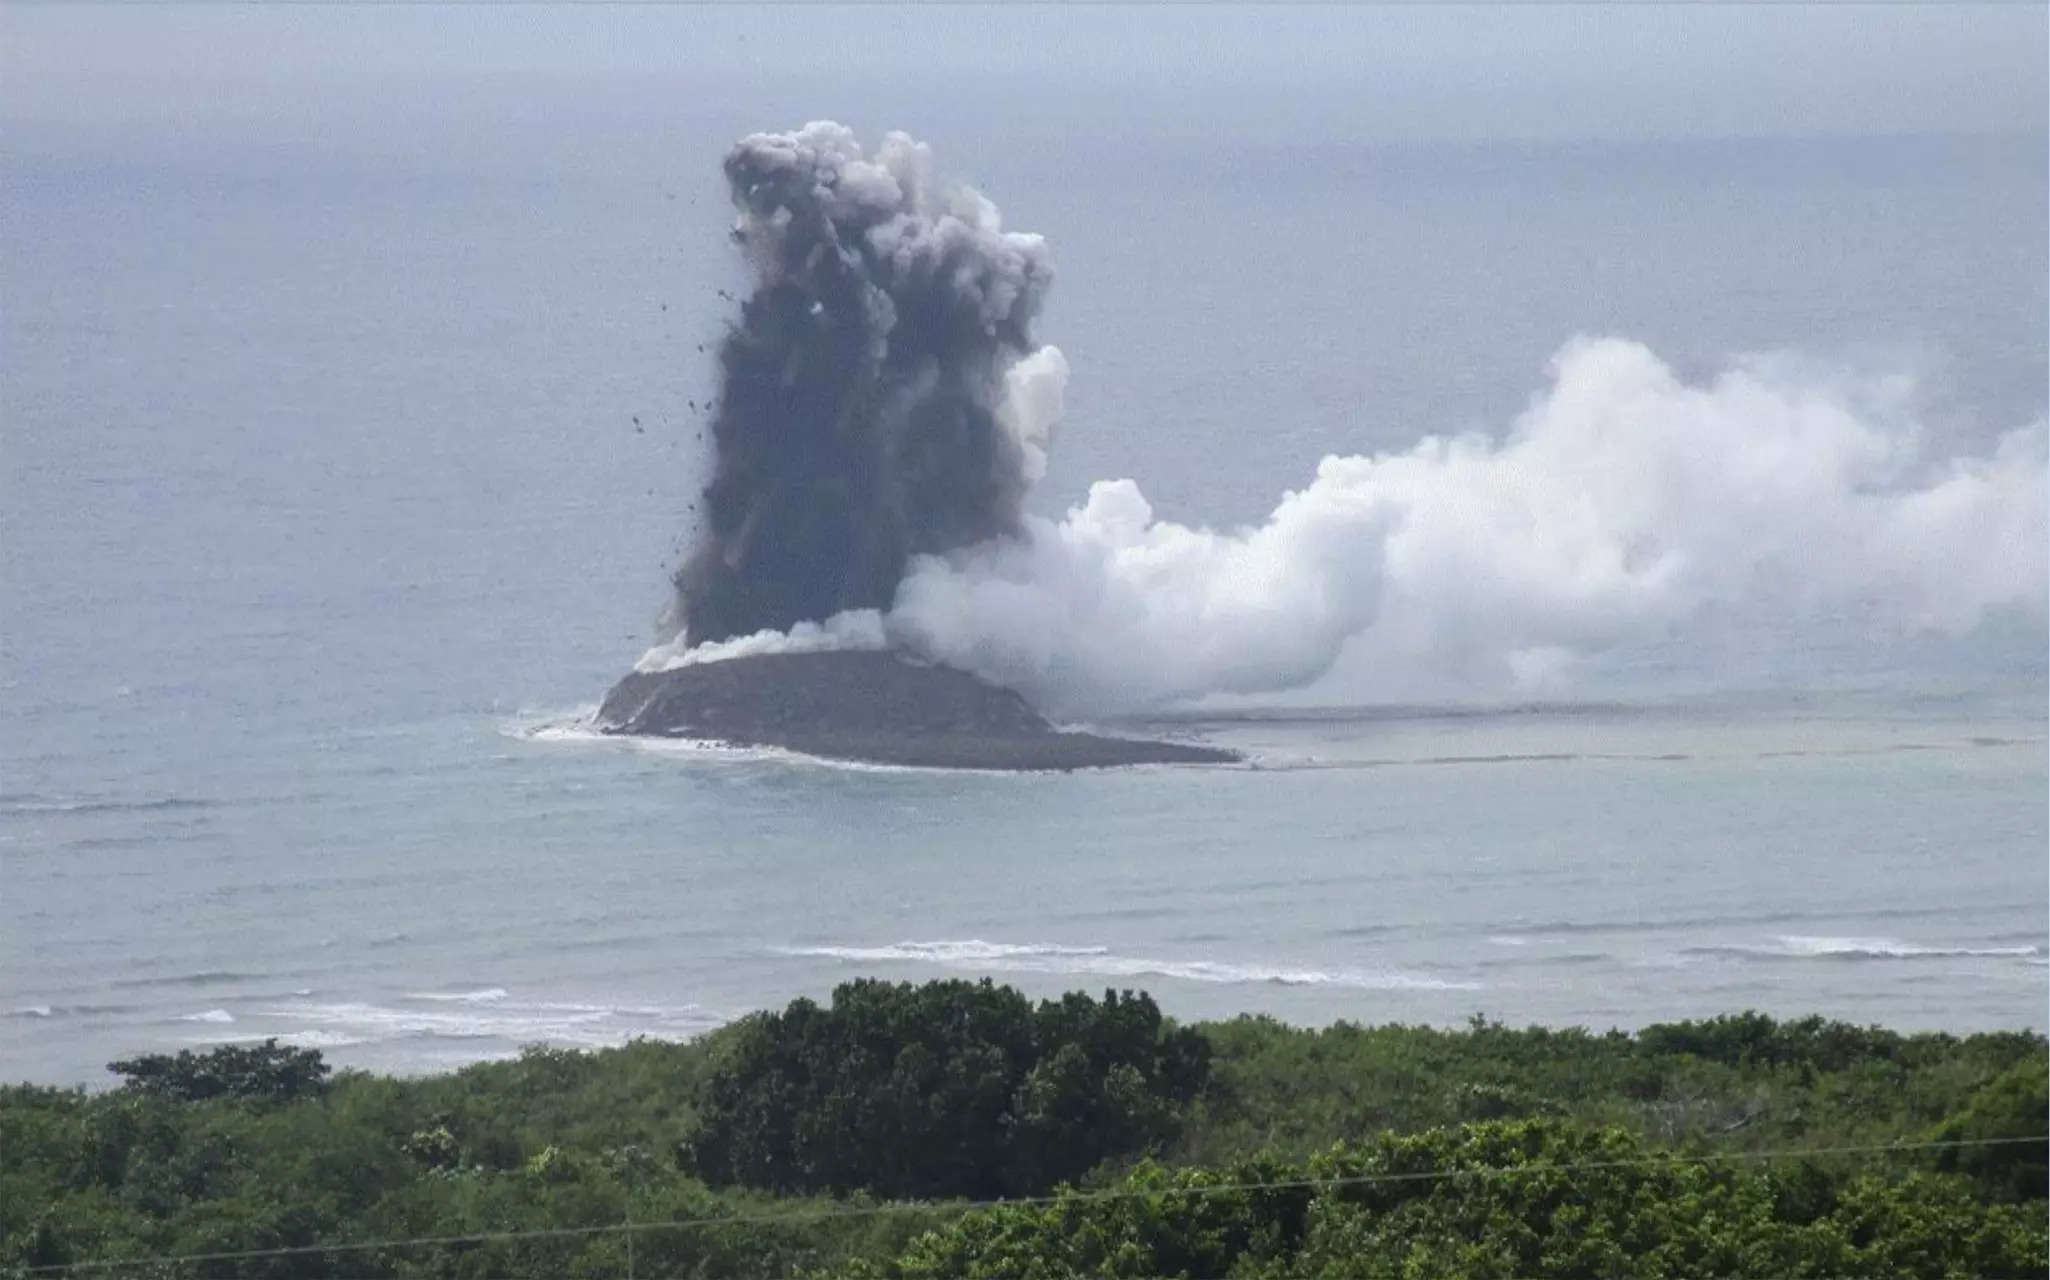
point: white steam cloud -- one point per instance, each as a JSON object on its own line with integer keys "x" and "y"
{"x": 1624, "y": 502}
{"x": 1621, "y": 503}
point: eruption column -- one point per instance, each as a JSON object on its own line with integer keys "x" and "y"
{"x": 884, "y": 414}
{"x": 881, "y": 395}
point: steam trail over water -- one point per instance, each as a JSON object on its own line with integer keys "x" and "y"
{"x": 1619, "y": 508}
{"x": 884, "y": 415}
{"x": 881, "y": 397}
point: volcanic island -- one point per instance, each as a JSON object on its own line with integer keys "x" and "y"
{"x": 873, "y": 706}
{"x": 880, "y": 399}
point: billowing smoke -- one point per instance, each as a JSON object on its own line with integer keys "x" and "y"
{"x": 1625, "y": 503}
{"x": 884, "y": 415}
{"x": 881, "y": 396}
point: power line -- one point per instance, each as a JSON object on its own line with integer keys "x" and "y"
{"x": 1072, "y": 1197}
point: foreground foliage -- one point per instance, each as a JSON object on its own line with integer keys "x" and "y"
{"x": 1433, "y": 1152}
{"x": 949, "y": 1089}
{"x": 1507, "y": 1199}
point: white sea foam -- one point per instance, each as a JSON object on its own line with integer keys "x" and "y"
{"x": 967, "y": 951}
{"x": 1888, "y": 948}
{"x": 488, "y": 1016}
{"x": 995, "y": 957}
{"x": 1820, "y": 947}
{"x": 580, "y": 729}
{"x": 483, "y": 995}
{"x": 210, "y": 1015}
{"x": 312, "y": 1039}
{"x": 308, "y": 1039}
{"x": 584, "y": 732}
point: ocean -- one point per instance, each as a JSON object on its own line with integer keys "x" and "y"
{"x": 341, "y": 481}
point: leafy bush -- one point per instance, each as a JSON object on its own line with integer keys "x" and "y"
{"x": 1753, "y": 1039}
{"x": 268, "y": 1071}
{"x": 950, "y": 1088}
{"x": 2008, "y": 1116}
{"x": 1512, "y": 1199}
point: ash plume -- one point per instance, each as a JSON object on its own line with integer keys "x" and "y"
{"x": 885, "y": 413}
{"x": 881, "y": 396}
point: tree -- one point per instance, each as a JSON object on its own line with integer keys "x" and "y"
{"x": 2006, "y": 1119}
{"x": 269, "y": 1071}
{"x": 950, "y": 1088}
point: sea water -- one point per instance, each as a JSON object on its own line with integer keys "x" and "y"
{"x": 340, "y": 482}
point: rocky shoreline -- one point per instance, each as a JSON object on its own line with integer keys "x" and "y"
{"x": 869, "y": 706}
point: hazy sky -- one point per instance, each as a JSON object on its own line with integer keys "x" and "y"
{"x": 1400, "y": 72}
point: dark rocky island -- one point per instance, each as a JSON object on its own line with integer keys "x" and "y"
{"x": 876, "y": 707}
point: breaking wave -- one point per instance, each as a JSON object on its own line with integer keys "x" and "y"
{"x": 1803, "y": 947}
{"x": 485, "y": 995}
{"x": 31, "y": 803}
{"x": 998, "y": 957}
{"x": 490, "y": 1014}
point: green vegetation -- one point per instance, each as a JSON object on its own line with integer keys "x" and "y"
{"x": 1503, "y": 1199}
{"x": 950, "y": 1089}
{"x": 268, "y": 1070}
{"x": 791, "y": 1142}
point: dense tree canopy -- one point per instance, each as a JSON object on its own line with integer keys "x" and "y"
{"x": 951, "y": 1088}
{"x": 1425, "y": 1151}
{"x": 1507, "y": 1199}
{"x": 268, "y": 1070}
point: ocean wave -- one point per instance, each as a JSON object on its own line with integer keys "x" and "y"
{"x": 198, "y": 978}
{"x": 1102, "y": 962}
{"x": 583, "y": 1025}
{"x": 150, "y": 839}
{"x": 32, "y": 803}
{"x": 319, "y": 1039}
{"x": 483, "y": 995}
{"x": 1805, "y": 947}
{"x": 1361, "y": 931}
{"x": 575, "y": 728}
{"x": 68, "y": 1010}
{"x": 208, "y": 1015}
{"x": 1542, "y": 960}
{"x": 970, "y": 950}
{"x": 579, "y": 728}
{"x": 296, "y": 1039}
{"x": 585, "y": 733}
{"x": 1640, "y": 924}
{"x": 1272, "y": 761}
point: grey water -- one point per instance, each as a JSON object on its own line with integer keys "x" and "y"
{"x": 344, "y": 465}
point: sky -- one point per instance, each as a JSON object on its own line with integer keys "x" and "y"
{"x": 1399, "y": 72}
